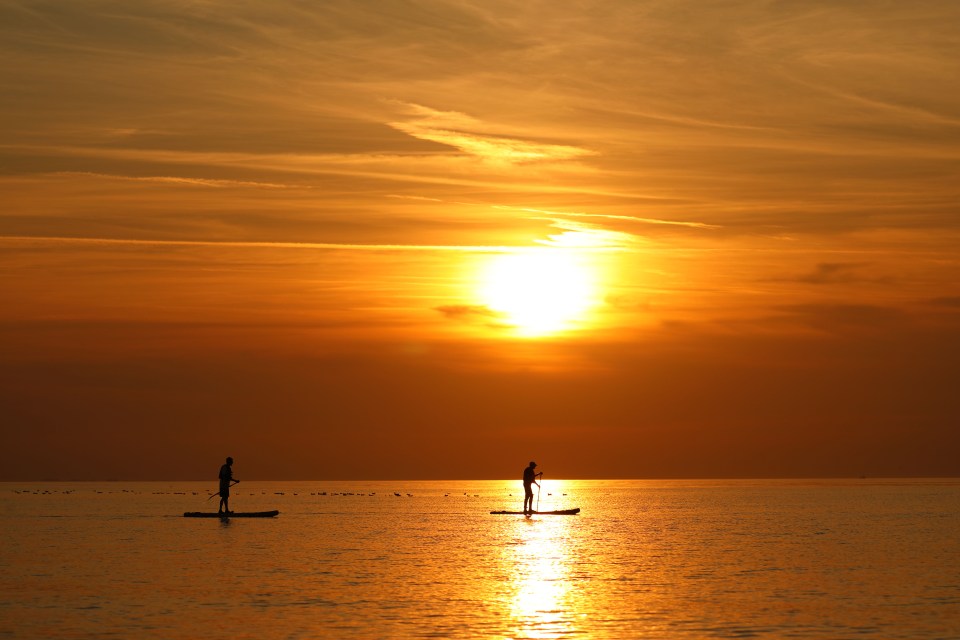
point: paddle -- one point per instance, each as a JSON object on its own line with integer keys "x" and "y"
{"x": 218, "y": 491}
{"x": 539, "y": 475}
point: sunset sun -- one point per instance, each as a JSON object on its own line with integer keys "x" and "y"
{"x": 539, "y": 292}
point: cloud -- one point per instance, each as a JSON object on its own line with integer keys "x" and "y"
{"x": 367, "y": 168}
{"x": 607, "y": 216}
{"x": 477, "y": 314}
{"x": 835, "y": 273}
{"x": 657, "y": 221}
{"x": 420, "y": 198}
{"x": 951, "y": 302}
{"x": 181, "y": 180}
{"x": 255, "y": 244}
{"x": 467, "y": 310}
{"x": 467, "y": 134}
{"x": 834, "y": 318}
{"x": 629, "y": 302}
{"x": 579, "y": 235}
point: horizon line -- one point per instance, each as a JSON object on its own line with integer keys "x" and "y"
{"x": 648, "y": 478}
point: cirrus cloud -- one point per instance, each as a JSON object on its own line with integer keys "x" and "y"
{"x": 465, "y": 133}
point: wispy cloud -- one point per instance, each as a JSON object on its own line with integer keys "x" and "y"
{"x": 469, "y": 135}
{"x": 477, "y": 315}
{"x": 255, "y": 244}
{"x": 579, "y": 235}
{"x": 180, "y": 180}
{"x": 420, "y": 198}
{"x": 430, "y": 169}
{"x": 468, "y": 310}
{"x": 827, "y": 273}
{"x": 845, "y": 317}
{"x": 950, "y": 302}
{"x": 626, "y": 218}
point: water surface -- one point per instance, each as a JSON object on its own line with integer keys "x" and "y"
{"x": 644, "y": 559}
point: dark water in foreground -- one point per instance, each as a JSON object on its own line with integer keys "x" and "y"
{"x": 645, "y": 559}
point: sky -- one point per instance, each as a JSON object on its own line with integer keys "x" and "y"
{"x": 441, "y": 238}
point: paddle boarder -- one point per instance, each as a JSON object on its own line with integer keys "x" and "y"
{"x": 226, "y": 481}
{"x": 529, "y": 479}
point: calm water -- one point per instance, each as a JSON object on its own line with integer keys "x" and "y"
{"x": 645, "y": 559}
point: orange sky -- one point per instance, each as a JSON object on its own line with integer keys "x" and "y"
{"x": 439, "y": 239}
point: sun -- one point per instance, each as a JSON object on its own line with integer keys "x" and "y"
{"x": 539, "y": 291}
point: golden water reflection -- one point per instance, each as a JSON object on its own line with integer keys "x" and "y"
{"x": 543, "y": 601}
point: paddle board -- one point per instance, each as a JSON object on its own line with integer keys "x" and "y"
{"x": 232, "y": 514}
{"x": 561, "y": 512}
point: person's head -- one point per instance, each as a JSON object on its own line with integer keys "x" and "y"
{"x": 532, "y": 464}
{"x": 229, "y": 460}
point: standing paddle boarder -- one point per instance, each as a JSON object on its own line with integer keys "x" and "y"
{"x": 529, "y": 479}
{"x": 226, "y": 481}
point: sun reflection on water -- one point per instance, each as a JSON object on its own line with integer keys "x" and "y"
{"x": 542, "y": 594}
{"x": 541, "y": 590}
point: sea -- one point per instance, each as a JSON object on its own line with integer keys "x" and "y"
{"x": 849, "y": 558}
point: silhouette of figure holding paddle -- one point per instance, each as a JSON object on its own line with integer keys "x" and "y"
{"x": 226, "y": 481}
{"x": 529, "y": 479}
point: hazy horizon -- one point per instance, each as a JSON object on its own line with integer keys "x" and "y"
{"x": 250, "y": 481}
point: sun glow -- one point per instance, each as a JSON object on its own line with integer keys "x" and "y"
{"x": 539, "y": 291}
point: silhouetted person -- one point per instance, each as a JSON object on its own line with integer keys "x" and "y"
{"x": 226, "y": 481}
{"x": 529, "y": 479}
